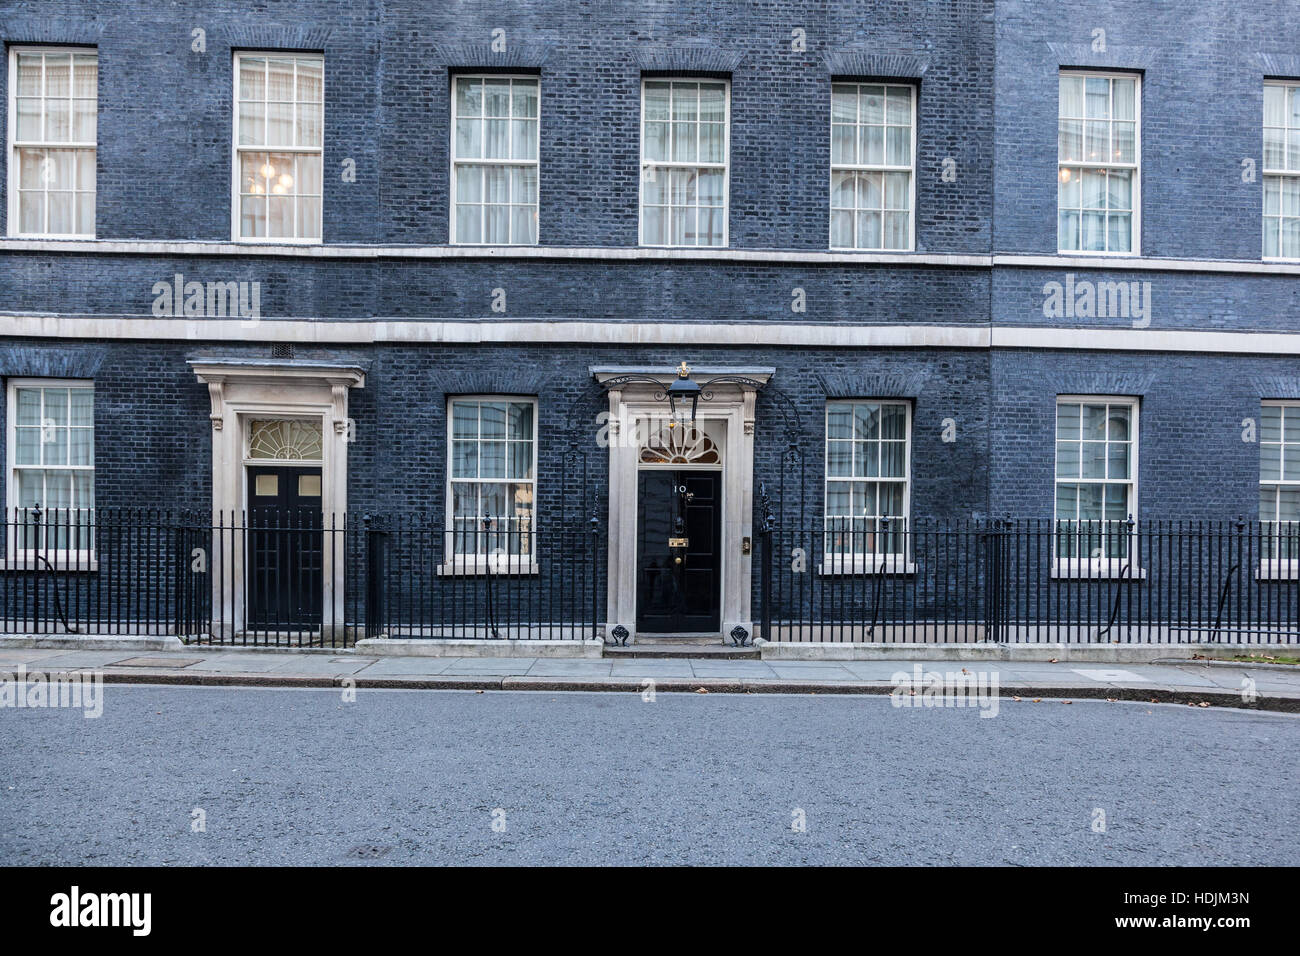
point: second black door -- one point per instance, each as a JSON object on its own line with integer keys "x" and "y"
{"x": 679, "y": 557}
{"x": 283, "y": 557}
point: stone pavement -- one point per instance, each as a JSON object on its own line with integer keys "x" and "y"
{"x": 1267, "y": 686}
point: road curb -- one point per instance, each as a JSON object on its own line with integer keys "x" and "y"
{"x": 1281, "y": 703}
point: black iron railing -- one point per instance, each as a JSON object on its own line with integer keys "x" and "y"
{"x": 1030, "y": 581}
{"x": 296, "y": 578}
{"x": 290, "y": 579}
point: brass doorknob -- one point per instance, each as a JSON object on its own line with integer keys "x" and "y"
{"x": 677, "y": 560}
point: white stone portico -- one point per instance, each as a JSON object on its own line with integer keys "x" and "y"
{"x": 244, "y": 390}
{"x": 725, "y": 413}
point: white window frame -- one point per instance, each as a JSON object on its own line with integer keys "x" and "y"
{"x": 30, "y": 558}
{"x": 468, "y": 564}
{"x": 725, "y": 165}
{"x": 1135, "y": 245}
{"x": 868, "y": 562}
{"x": 1275, "y": 568}
{"x": 13, "y": 145}
{"x": 236, "y": 149}
{"x": 454, "y": 162}
{"x": 1279, "y": 174}
{"x": 910, "y": 169}
{"x": 1102, "y": 566}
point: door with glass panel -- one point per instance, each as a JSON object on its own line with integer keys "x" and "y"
{"x": 284, "y": 552}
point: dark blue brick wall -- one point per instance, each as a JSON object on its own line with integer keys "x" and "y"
{"x": 153, "y": 437}
{"x": 165, "y": 111}
{"x": 1203, "y": 64}
{"x": 1193, "y": 463}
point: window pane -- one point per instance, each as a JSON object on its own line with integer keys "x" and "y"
{"x": 1069, "y": 144}
{"x": 524, "y": 139}
{"x": 844, "y": 140}
{"x": 27, "y": 446}
{"x": 872, "y": 105}
{"x": 839, "y": 459}
{"x": 524, "y": 98}
{"x": 866, "y": 459}
{"x": 1071, "y": 95}
{"x": 310, "y": 81}
{"x": 464, "y": 459}
{"x": 1291, "y": 462}
{"x": 1093, "y": 459}
{"x": 1067, "y": 422}
{"x": 464, "y": 420}
{"x": 1118, "y": 464}
{"x": 872, "y": 145}
{"x": 469, "y": 97}
{"x": 252, "y": 78}
{"x": 839, "y": 421}
{"x": 81, "y": 446}
{"x": 844, "y": 104}
{"x": 496, "y": 97}
{"x": 1067, "y": 459}
{"x": 842, "y": 230}
{"x": 310, "y": 124}
{"x": 893, "y": 459}
{"x": 1094, "y": 422}
{"x": 520, "y": 422}
{"x": 657, "y": 99}
{"x": 1096, "y": 97}
{"x": 1274, "y": 149}
{"x": 1270, "y": 462}
{"x": 279, "y": 79}
{"x": 469, "y": 144}
{"x": 29, "y": 75}
{"x": 1125, "y": 100}
{"x": 893, "y": 422}
{"x": 869, "y": 224}
{"x": 713, "y": 103}
{"x": 866, "y": 421}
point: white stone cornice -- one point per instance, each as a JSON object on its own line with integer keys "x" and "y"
{"x": 377, "y": 251}
{"x": 678, "y": 335}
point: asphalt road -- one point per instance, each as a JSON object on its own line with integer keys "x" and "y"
{"x": 299, "y": 776}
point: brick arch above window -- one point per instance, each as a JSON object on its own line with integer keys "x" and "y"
{"x": 883, "y": 384}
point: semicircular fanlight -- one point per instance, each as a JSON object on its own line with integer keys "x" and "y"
{"x": 679, "y": 445}
{"x": 286, "y": 440}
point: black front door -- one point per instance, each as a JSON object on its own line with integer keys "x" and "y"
{"x": 283, "y": 558}
{"x": 679, "y": 557}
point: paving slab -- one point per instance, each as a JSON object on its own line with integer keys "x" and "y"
{"x": 799, "y": 670}
{"x": 79, "y": 659}
{"x": 547, "y": 667}
{"x": 493, "y": 666}
{"x": 739, "y": 670}
{"x": 407, "y": 667}
{"x": 316, "y": 665}
{"x": 642, "y": 667}
{"x": 246, "y": 663}
{"x": 21, "y": 655}
{"x": 155, "y": 662}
